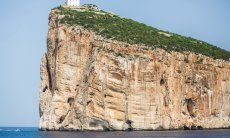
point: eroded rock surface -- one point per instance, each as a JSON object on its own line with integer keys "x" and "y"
{"x": 92, "y": 83}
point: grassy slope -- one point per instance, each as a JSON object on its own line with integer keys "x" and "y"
{"x": 132, "y": 32}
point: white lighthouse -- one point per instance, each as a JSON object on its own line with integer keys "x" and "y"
{"x": 73, "y": 3}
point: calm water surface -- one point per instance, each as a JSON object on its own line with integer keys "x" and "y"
{"x": 34, "y": 133}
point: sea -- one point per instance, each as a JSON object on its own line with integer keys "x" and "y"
{"x": 31, "y": 132}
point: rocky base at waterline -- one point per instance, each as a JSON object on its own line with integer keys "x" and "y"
{"x": 90, "y": 82}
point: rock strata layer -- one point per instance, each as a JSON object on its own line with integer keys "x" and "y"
{"x": 92, "y": 83}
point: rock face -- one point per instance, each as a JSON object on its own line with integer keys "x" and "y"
{"x": 93, "y": 83}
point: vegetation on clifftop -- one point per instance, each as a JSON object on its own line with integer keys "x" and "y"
{"x": 126, "y": 30}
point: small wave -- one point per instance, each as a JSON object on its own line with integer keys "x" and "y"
{"x": 17, "y": 130}
{"x": 8, "y": 130}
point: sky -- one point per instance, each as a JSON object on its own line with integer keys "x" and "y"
{"x": 23, "y": 32}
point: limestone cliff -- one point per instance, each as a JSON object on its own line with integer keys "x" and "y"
{"x": 89, "y": 82}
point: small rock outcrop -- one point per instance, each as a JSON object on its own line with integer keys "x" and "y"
{"x": 92, "y": 83}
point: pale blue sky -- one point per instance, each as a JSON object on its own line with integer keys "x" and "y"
{"x": 23, "y": 29}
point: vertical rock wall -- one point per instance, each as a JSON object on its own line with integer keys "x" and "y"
{"x": 92, "y": 83}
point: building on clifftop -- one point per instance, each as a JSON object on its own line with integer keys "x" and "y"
{"x": 75, "y": 3}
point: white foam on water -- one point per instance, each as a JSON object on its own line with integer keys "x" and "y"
{"x": 17, "y": 130}
{"x": 10, "y": 130}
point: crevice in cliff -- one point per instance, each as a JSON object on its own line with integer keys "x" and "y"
{"x": 81, "y": 91}
{"x": 128, "y": 122}
{"x": 61, "y": 119}
{"x": 45, "y": 88}
{"x": 162, "y": 81}
{"x": 54, "y": 85}
{"x": 49, "y": 74}
{"x": 54, "y": 59}
{"x": 40, "y": 111}
{"x": 87, "y": 70}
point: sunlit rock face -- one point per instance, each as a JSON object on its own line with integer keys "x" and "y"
{"x": 92, "y": 83}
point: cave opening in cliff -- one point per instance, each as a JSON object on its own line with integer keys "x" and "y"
{"x": 92, "y": 124}
{"x": 191, "y": 107}
{"x": 129, "y": 123}
{"x": 70, "y": 100}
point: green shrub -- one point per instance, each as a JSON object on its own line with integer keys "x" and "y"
{"x": 132, "y": 32}
{"x": 118, "y": 54}
{"x": 186, "y": 60}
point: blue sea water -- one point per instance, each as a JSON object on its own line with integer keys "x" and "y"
{"x": 13, "y": 132}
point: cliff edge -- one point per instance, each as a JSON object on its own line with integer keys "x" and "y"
{"x": 104, "y": 72}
